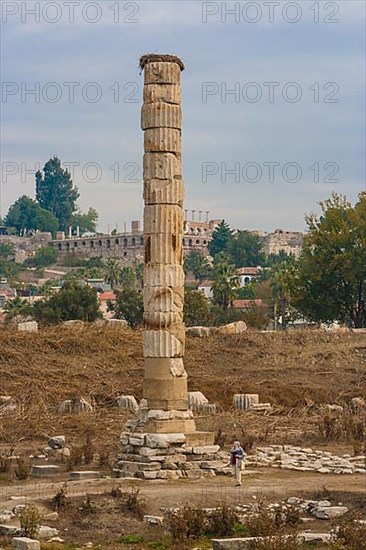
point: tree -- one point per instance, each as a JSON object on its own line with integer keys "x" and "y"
{"x": 112, "y": 272}
{"x": 196, "y": 309}
{"x": 245, "y": 249}
{"x": 225, "y": 285}
{"x": 16, "y": 306}
{"x": 45, "y": 256}
{"x": 128, "y": 277}
{"x": 72, "y": 302}
{"x": 139, "y": 272}
{"x": 283, "y": 284}
{"x": 332, "y": 266}
{"x": 26, "y": 215}
{"x": 129, "y": 306}
{"x": 85, "y": 221}
{"x": 279, "y": 258}
{"x": 221, "y": 237}
{"x": 7, "y": 251}
{"x": 247, "y": 292}
{"x": 55, "y": 192}
{"x": 197, "y": 264}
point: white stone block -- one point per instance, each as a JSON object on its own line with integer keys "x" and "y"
{"x": 244, "y": 401}
{"x": 24, "y": 543}
{"x": 196, "y": 399}
{"x": 28, "y": 326}
{"x": 127, "y": 402}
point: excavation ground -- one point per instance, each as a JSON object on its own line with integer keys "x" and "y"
{"x": 297, "y": 372}
{"x": 93, "y": 515}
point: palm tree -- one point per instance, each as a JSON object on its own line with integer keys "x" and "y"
{"x": 282, "y": 286}
{"x": 128, "y": 277}
{"x": 112, "y": 272}
{"x": 225, "y": 285}
{"x": 195, "y": 262}
{"x": 7, "y": 251}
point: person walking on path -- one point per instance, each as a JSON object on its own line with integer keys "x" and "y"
{"x": 237, "y": 456}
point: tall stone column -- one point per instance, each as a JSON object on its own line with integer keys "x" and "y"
{"x": 165, "y": 383}
{"x": 162, "y": 437}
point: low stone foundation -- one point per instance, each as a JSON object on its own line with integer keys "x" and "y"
{"x": 165, "y": 445}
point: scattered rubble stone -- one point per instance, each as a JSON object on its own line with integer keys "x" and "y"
{"x": 306, "y": 460}
{"x": 154, "y": 520}
{"x": 196, "y": 399}
{"x": 73, "y": 323}
{"x": 28, "y": 326}
{"x": 41, "y": 470}
{"x": 238, "y": 327}
{"x": 23, "y": 543}
{"x": 84, "y": 474}
{"x": 198, "y": 332}
{"x": 57, "y": 442}
{"x": 128, "y": 402}
{"x": 75, "y": 406}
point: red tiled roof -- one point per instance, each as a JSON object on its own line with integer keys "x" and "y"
{"x": 105, "y": 296}
{"x": 247, "y": 304}
{"x": 248, "y": 271}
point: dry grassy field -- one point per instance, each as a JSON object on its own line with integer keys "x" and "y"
{"x": 295, "y": 371}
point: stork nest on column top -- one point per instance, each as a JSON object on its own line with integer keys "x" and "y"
{"x": 161, "y": 58}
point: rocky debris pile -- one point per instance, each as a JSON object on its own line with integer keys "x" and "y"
{"x": 306, "y": 460}
{"x": 56, "y": 449}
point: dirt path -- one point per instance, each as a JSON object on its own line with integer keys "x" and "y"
{"x": 271, "y": 484}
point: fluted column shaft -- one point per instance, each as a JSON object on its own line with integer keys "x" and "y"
{"x": 165, "y": 381}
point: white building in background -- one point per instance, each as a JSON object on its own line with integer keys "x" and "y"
{"x": 206, "y": 288}
{"x": 247, "y": 274}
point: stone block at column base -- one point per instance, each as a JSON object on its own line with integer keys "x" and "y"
{"x": 199, "y": 439}
{"x": 146, "y": 454}
{"x": 185, "y": 426}
{"x": 168, "y": 404}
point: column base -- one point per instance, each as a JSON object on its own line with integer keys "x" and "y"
{"x": 165, "y": 445}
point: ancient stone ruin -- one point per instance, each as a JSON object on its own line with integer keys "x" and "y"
{"x": 162, "y": 441}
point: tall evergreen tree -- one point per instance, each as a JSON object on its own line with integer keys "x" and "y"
{"x": 55, "y": 192}
{"x": 221, "y": 237}
{"x": 245, "y": 248}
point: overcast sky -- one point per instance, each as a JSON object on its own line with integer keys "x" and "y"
{"x": 291, "y": 131}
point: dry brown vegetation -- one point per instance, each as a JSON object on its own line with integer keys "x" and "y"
{"x": 295, "y": 371}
